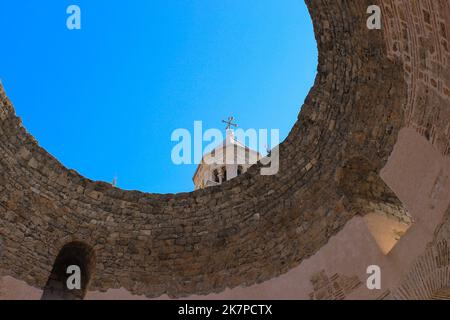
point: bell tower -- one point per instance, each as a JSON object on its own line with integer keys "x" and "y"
{"x": 227, "y": 161}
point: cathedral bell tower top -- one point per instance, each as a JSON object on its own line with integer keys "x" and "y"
{"x": 211, "y": 172}
{"x": 229, "y": 131}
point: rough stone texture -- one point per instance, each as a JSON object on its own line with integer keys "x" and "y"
{"x": 369, "y": 85}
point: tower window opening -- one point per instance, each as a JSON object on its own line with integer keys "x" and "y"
{"x": 216, "y": 176}
{"x": 224, "y": 170}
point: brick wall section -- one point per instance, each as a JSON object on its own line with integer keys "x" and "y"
{"x": 247, "y": 230}
{"x": 429, "y": 277}
{"x": 336, "y": 287}
{"x": 418, "y": 32}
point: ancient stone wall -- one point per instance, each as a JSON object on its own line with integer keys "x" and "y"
{"x": 418, "y": 33}
{"x": 252, "y": 228}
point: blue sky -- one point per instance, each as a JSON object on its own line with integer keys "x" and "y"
{"x": 105, "y": 99}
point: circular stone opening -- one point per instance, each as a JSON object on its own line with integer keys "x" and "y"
{"x": 105, "y": 99}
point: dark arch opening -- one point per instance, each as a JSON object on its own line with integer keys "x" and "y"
{"x": 72, "y": 254}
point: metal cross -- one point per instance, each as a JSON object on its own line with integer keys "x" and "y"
{"x": 230, "y": 123}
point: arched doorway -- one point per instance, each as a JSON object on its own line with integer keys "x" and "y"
{"x": 73, "y": 257}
